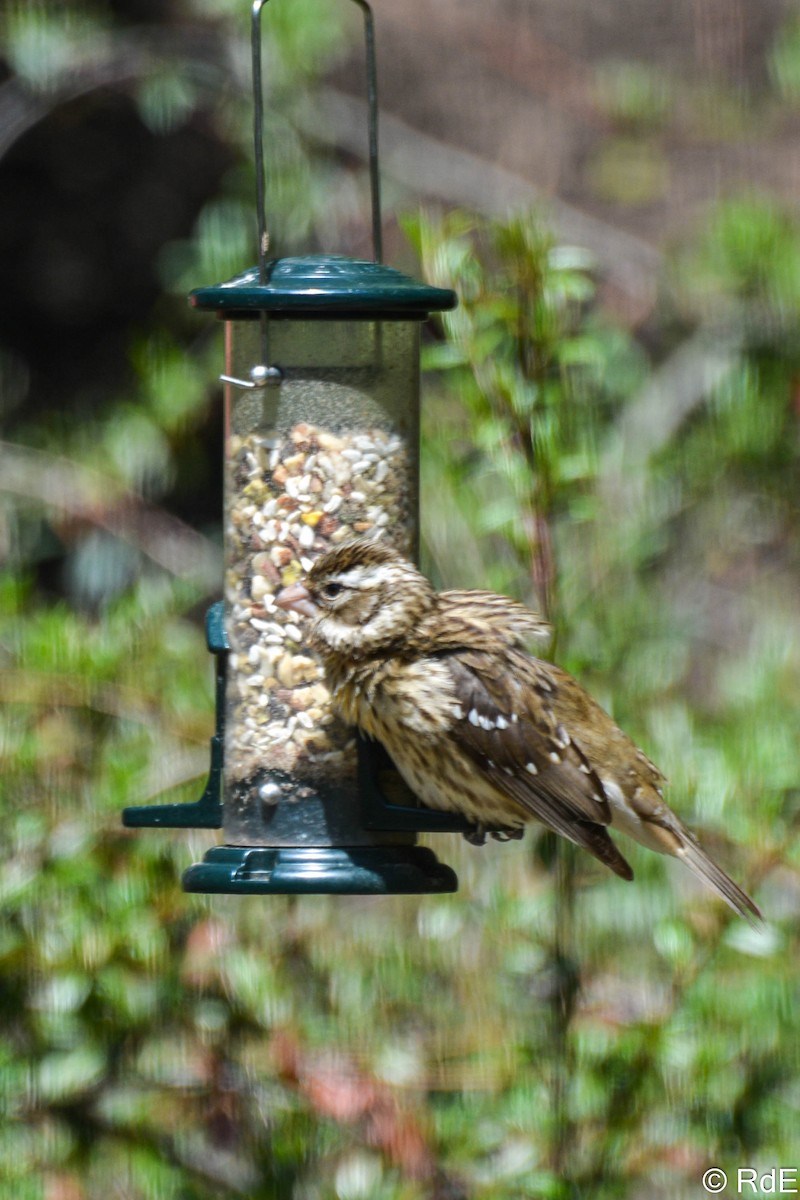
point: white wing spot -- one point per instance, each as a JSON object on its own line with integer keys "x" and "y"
{"x": 473, "y": 718}
{"x": 457, "y": 712}
{"x": 514, "y": 718}
{"x": 563, "y": 737}
{"x": 587, "y": 770}
{"x": 554, "y": 756}
{"x": 501, "y": 723}
{"x": 531, "y": 768}
{"x": 614, "y": 792}
{"x": 485, "y": 723}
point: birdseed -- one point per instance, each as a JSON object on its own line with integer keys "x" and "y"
{"x": 292, "y": 496}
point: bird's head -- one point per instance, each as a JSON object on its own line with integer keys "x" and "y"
{"x": 361, "y": 597}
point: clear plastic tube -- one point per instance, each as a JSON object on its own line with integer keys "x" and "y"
{"x": 328, "y": 454}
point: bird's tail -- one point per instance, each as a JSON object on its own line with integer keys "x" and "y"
{"x": 706, "y": 869}
{"x": 595, "y": 839}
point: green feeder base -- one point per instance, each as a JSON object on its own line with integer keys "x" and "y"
{"x": 336, "y": 870}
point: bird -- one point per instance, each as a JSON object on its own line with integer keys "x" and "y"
{"x": 476, "y": 723}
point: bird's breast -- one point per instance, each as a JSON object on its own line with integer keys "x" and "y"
{"x": 410, "y": 709}
{"x": 400, "y": 697}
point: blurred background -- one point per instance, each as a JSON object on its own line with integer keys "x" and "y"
{"x": 610, "y": 432}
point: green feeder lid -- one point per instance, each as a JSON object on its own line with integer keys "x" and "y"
{"x": 325, "y": 285}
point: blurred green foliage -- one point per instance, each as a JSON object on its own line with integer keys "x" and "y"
{"x": 549, "y": 1031}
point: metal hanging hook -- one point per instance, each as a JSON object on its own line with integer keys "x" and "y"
{"x": 258, "y": 137}
{"x": 372, "y": 110}
{"x": 258, "y": 132}
{"x": 262, "y": 374}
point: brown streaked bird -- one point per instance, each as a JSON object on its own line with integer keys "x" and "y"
{"x": 474, "y": 722}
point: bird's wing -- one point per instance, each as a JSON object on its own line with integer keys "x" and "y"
{"x": 506, "y": 724}
{"x": 470, "y": 613}
{"x": 601, "y": 738}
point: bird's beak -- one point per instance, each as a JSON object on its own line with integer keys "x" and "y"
{"x": 297, "y": 599}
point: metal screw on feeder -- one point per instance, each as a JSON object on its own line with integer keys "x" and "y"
{"x": 321, "y": 443}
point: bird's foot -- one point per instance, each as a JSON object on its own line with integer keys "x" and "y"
{"x": 509, "y": 835}
{"x": 475, "y": 836}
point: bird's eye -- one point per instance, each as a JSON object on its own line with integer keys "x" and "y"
{"x": 330, "y": 590}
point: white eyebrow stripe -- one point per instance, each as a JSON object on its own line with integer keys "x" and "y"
{"x": 367, "y": 577}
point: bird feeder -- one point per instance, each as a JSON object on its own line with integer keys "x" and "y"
{"x": 321, "y": 431}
